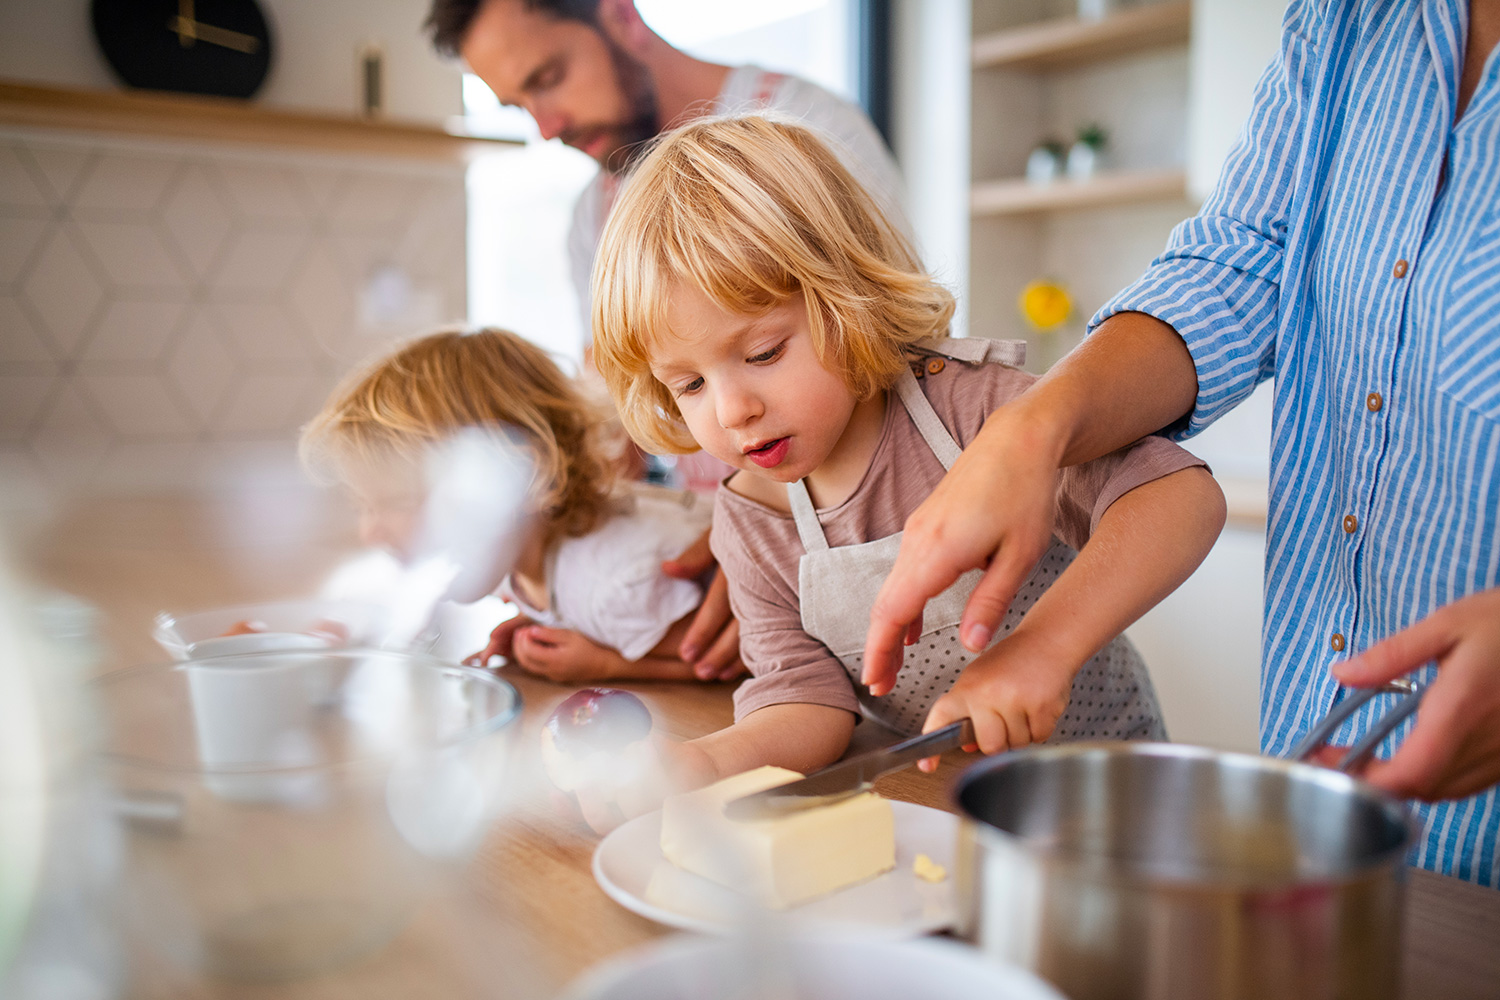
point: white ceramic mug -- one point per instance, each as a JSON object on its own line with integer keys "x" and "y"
{"x": 253, "y": 722}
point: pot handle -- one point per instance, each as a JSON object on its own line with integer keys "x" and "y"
{"x": 1362, "y": 751}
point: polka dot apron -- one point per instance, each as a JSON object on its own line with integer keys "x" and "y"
{"x": 1112, "y": 696}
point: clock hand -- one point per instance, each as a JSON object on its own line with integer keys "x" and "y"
{"x": 187, "y": 31}
{"x": 184, "y": 24}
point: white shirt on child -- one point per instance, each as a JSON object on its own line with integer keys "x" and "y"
{"x": 608, "y": 584}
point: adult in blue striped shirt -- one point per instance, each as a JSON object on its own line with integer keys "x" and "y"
{"x": 1351, "y": 251}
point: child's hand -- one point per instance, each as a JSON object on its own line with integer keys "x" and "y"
{"x": 1014, "y": 693}
{"x": 564, "y": 656}
{"x": 500, "y": 641}
{"x": 651, "y": 769}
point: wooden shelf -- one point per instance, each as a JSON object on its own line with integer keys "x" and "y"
{"x": 1066, "y": 42}
{"x": 1019, "y": 197}
{"x": 183, "y": 116}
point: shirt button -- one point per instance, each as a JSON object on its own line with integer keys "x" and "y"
{"x": 1351, "y": 524}
{"x": 1337, "y": 642}
{"x": 1400, "y": 269}
{"x": 935, "y": 365}
{"x": 1373, "y": 402}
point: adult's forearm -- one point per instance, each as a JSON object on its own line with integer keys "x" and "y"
{"x": 1132, "y": 377}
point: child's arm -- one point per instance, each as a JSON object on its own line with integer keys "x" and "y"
{"x": 801, "y": 737}
{"x": 1146, "y": 544}
{"x": 568, "y": 657}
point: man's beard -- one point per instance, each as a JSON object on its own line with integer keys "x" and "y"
{"x": 644, "y": 117}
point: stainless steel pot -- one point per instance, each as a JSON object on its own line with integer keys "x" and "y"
{"x": 1140, "y": 870}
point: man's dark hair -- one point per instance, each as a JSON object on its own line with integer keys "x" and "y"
{"x": 448, "y": 21}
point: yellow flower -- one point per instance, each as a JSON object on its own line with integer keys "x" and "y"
{"x": 1045, "y": 305}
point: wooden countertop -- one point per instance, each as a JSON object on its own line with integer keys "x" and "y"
{"x": 527, "y": 916}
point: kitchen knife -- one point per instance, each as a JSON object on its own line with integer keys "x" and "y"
{"x": 848, "y": 778}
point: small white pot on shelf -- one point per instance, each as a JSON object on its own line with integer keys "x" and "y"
{"x": 1083, "y": 161}
{"x": 1043, "y": 165}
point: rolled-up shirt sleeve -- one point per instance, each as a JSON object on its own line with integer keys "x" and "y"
{"x": 1218, "y": 283}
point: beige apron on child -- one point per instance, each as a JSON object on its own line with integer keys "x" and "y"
{"x": 1112, "y": 697}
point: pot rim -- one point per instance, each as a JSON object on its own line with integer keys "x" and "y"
{"x": 1093, "y": 865}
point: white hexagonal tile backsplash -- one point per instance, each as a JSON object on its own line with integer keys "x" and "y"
{"x": 20, "y": 344}
{"x": 124, "y": 184}
{"x": 163, "y": 304}
{"x": 20, "y": 240}
{"x": 20, "y": 187}
{"x": 63, "y": 291}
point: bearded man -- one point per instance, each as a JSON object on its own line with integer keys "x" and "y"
{"x": 593, "y": 74}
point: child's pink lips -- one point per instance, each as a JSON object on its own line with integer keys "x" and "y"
{"x": 769, "y": 454}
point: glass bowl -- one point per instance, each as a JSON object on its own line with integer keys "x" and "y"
{"x": 278, "y": 625}
{"x": 287, "y": 811}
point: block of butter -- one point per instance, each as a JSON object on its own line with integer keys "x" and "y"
{"x": 782, "y": 861}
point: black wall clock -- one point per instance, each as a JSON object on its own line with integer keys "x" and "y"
{"x": 220, "y": 47}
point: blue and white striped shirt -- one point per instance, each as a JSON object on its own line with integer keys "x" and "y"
{"x": 1352, "y": 251}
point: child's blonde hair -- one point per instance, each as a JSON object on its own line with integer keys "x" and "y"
{"x": 429, "y": 389}
{"x": 752, "y": 210}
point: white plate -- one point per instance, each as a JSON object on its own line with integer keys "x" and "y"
{"x": 847, "y": 965}
{"x": 896, "y": 904}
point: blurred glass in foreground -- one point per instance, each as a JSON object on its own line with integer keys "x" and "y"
{"x": 287, "y": 811}
{"x": 58, "y": 848}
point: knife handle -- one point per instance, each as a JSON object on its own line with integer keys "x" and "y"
{"x": 955, "y": 734}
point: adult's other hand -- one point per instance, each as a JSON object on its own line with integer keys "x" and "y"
{"x": 712, "y": 642}
{"x": 1454, "y": 748}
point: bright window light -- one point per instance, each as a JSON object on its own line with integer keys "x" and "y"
{"x": 689, "y": 22}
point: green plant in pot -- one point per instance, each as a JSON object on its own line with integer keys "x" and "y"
{"x": 1045, "y": 162}
{"x": 1087, "y": 151}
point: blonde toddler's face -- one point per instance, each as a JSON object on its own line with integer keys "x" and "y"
{"x": 390, "y": 512}
{"x": 751, "y": 389}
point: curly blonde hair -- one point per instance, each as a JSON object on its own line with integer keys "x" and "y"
{"x": 419, "y": 395}
{"x": 752, "y": 210}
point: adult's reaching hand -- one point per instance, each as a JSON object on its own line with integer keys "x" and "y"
{"x": 712, "y": 643}
{"x": 995, "y": 510}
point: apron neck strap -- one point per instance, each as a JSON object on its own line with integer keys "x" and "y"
{"x": 975, "y": 350}
{"x": 929, "y": 425}
{"x": 925, "y": 417}
{"x": 808, "y": 528}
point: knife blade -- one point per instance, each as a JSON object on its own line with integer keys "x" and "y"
{"x": 848, "y": 778}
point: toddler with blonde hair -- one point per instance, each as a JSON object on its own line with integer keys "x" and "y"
{"x": 587, "y": 573}
{"x": 751, "y": 299}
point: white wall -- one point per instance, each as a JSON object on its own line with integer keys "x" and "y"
{"x": 1202, "y": 646}
{"x": 317, "y": 42}
{"x": 1233, "y": 41}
